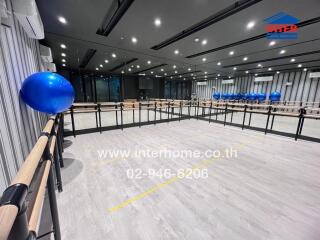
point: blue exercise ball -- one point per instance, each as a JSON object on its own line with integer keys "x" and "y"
{"x": 47, "y": 92}
{"x": 237, "y": 96}
{"x": 225, "y": 96}
{"x": 275, "y": 96}
{"x": 262, "y": 96}
{"x": 216, "y": 95}
{"x": 253, "y": 96}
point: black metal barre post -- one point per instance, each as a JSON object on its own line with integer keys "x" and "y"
{"x": 189, "y": 110}
{"x": 155, "y": 112}
{"x": 99, "y": 114}
{"x": 198, "y": 105}
{"x": 148, "y": 111}
{"x": 302, "y": 111}
{"x": 116, "y": 108}
{"x": 133, "y": 113}
{"x": 139, "y": 114}
{"x": 225, "y": 114}
{"x": 55, "y": 157}
{"x": 210, "y": 110}
{"x": 168, "y": 111}
{"x": 180, "y": 111}
{"x": 244, "y": 115}
{"x": 121, "y": 113}
{"x": 52, "y": 194}
{"x": 231, "y": 118}
{"x": 59, "y": 140}
{"x": 72, "y": 122}
{"x": 268, "y": 118}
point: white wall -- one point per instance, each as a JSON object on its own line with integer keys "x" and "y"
{"x": 19, "y": 125}
{"x": 302, "y": 89}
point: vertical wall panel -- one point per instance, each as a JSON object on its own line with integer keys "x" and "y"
{"x": 19, "y": 125}
{"x": 302, "y": 88}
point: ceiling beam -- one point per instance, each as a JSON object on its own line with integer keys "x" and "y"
{"x": 273, "y": 59}
{"x": 264, "y": 35}
{"x": 121, "y": 65}
{"x": 154, "y": 67}
{"x": 224, "y": 13}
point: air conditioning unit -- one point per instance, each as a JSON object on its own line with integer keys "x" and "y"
{"x": 46, "y": 54}
{"x": 26, "y": 11}
{"x": 50, "y": 67}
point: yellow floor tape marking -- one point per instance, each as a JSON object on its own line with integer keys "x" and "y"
{"x": 203, "y": 163}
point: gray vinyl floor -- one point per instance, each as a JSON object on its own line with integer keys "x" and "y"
{"x": 270, "y": 190}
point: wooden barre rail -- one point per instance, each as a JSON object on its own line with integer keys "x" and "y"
{"x": 9, "y": 212}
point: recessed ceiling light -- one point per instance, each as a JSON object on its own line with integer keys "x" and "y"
{"x": 171, "y": 77}
{"x": 157, "y": 22}
{"x": 219, "y": 63}
{"x": 63, "y": 46}
{"x": 299, "y": 65}
{"x": 204, "y": 59}
{"x": 151, "y": 72}
{"x": 138, "y": 66}
{"x": 191, "y": 74}
{"x": 205, "y": 72}
{"x": 62, "y": 20}
{"x": 196, "y": 39}
{"x": 129, "y": 69}
{"x": 180, "y": 76}
{"x": 251, "y": 24}
{"x": 234, "y": 68}
{"x": 161, "y": 69}
{"x": 272, "y": 43}
{"x": 106, "y": 61}
{"x": 189, "y": 69}
{"x": 122, "y": 72}
{"x": 229, "y": 76}
{"x": 269, "y": 69}
{"x": 219, "y": 75}
{"x": 97, "y": 69}
{"x": 292, "y": 60}
{"x": 204, "y": 42}
{"x": 247, "y": 72}
{"x": 132, "y": 66}
{"x": 282, "y": 51}
{"x": 134, "y": 40}
{"x": 205, "y": 76}
{"x": 165, "y": 74}
{"x": 113, "y": 55}
{"x": 245, "y": 58}
{"x": 259, "y": 65}
{"x": 176, "y": 71}
{"x": 184, "y": 78}
{"x": 278, "y": 72}
{"x": 63, "y": 60}
{"x": 174, "y": 66}
{"x": 101, "y": 65}
{"x": 231, "y": 53}
{"x": 122, "y": 38}
{"x": 63, "y": 55}
{"x": 63, "y": 65}
{"x": 176, "y": 52}
{"x": 149, "y": 62}
{"x": 305, "y": 69}
{"x": 193, "y": 78}
{"x": 256, "y": 74}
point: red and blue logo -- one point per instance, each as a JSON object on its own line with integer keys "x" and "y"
{"x": 282, "y": 26}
